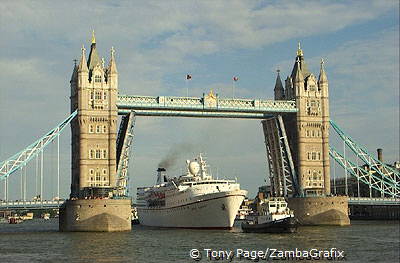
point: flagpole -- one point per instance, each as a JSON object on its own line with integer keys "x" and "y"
{"x": 233, "y": 88}
{"x": 187, "y": 89}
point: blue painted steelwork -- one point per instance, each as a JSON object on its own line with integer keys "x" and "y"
{"x": 371, "y": 178}
{"x": 387, "y": 172}
{"x": 376, "y": 174}
{"x": 209, "y": 106}
{"x": 20, "y": 159}
{"x": 124, "y": 143}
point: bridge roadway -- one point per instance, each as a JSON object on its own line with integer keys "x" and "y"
{"x": 208, "y": 106}
{"x": 25, "y": 205}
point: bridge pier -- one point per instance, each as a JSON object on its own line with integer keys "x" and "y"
{"x": 95, "y": 215}
{"x": 332, "y": 210}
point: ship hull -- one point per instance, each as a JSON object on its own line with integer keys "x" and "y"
{"x": 211, "y": 211}
{"x": 286, "y": 225}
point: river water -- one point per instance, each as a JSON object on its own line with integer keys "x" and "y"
{"x": 39, "y": 241}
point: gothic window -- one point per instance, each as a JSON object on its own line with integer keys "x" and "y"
{"x": 98, "y": 155}
{"x": 313, "y": 156}
{"x": 98, "y": 95}
{"x": 105, "y": 95}
{"x": 91, "y": 95}
{"x": 91, "y": 154}
{"x": 97, "y": 78}
{"x": 104, "y": 128}
{"x": 98, "y": 128}
{"x": 91, "y": 172}
{"x": 98, "y": 176}
{"x": 104, "y": 154}
{"x": 91, "y": 128}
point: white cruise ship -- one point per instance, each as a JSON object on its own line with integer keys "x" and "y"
{"x": 193, "y": 200}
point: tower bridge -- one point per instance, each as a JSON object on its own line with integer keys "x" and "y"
{"x": 295, "y": 123}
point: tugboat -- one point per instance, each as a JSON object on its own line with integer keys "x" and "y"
{"x": 273, "y": 217}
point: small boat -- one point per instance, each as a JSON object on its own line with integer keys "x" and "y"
{"x": 273, "y": 217}
{"x": 15, "y": 220}
{"x": 135, "y": 218}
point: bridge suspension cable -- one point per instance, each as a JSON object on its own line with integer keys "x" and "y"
{"x": 377, "y": 175}
{"x": 20, "y": 159}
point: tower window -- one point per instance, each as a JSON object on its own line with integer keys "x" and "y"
{"x": 104, "y": 128}
{"x": 97, "y": 78}
{"x": 104, "y": 172}
{"x": 104, "y": 154}
{"x": 91, "y": 154}
{"x": 98, "y": 156}
{"x": 105, "y": 95}
{"x": 91, "y": 95}
{"x": 98, "y": 129}
{"x": 91, "y": 128}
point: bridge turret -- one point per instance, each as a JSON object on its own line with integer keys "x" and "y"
{"x": 112, "y": 73}
{"x": 289, "y": 88}
{"x": 278, "y": 90}
{"x": 298, "y": 78}
{"x": 323, "y": 80}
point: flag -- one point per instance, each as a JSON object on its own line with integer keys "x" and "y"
{"x": 188, "y": 77}
{"x": 235, "y": 78}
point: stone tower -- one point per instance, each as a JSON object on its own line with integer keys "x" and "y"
{"x": 309, "y": 137}
{"x": 94, "y": 91}
{"x": 92, "y": 206}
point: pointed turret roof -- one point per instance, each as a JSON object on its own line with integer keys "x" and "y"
{"x": 298, "y": 73}
{"x": 322, "y": 75}
{"x": 82, "y": 67}
{"x": 302, "y": 65}
{"x": 112, "y": 67}
{"x": 74, "y": 72}
{"x": 278, "y": 82}
{"x": 94, "y": 58}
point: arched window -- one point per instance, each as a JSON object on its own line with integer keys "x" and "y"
{"x": 91, "y": 128}
{"x": 91, "y": 154}
{"x": 104, "y": 154}
{"x": 97, "y": 78}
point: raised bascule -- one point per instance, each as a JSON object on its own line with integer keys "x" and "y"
{"x": 296, "y": 131}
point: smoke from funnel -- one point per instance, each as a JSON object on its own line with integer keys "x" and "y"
{"x": 174, "y": 153}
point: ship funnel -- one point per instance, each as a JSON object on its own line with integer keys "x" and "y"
{"x": 161, "y": 175}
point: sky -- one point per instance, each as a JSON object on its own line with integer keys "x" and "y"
{"x": 158, "y": 42}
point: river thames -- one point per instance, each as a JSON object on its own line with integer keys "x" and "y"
{"x": 40, "y": 241}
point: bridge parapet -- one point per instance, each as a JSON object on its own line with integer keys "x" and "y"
{"x": 226, "y": 107}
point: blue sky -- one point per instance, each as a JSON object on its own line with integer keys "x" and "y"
{"x": 158, "y": 42}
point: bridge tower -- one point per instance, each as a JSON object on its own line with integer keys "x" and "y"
{"x": 94, "y": 92}
{"x": 308, "y": 137}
